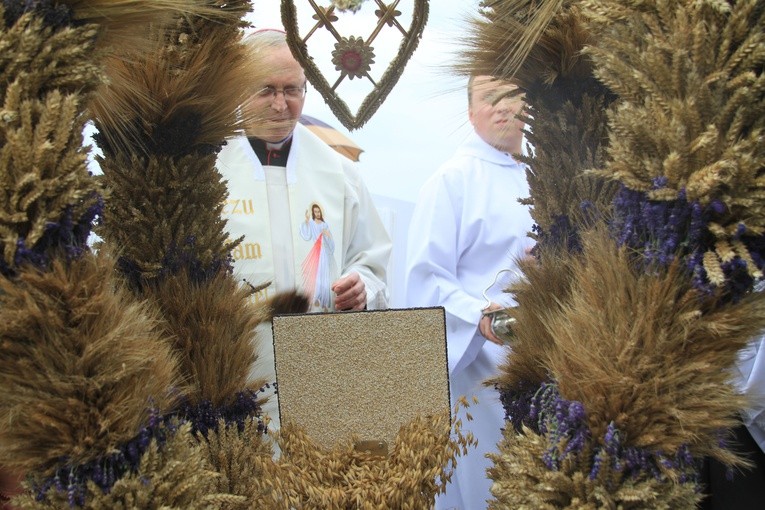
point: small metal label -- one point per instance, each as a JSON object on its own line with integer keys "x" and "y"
{"x": 372, "y": 447}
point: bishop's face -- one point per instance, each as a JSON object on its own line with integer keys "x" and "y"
{"x": 494, "y": 121}
{"x": 278, "y": 100}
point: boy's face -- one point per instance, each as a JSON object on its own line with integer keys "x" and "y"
{"x": 495, "y": 123}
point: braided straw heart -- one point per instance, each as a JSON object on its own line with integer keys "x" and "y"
{"x": 353, "y": 55}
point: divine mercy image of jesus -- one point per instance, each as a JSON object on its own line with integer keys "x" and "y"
{"x": 318, "y": 265}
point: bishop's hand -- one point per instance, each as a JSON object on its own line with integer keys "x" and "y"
{"x": 350, "y": 293}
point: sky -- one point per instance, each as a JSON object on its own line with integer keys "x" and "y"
{"x": 423, "y": 118}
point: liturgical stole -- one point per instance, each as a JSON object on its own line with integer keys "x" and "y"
{"x": 315, "y": 190}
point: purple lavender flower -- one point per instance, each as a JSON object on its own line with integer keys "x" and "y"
{"x": 563, "y": 234}
{"x": 662, "y": 231}
{"x": 519, "y": 406}
{"x": 597, "y": 464}
{"x": 66, "y": 238}
{"x": 612, "y": 440}
{"x": 106, "y": 470}
{"x": 204, "y": 417}
{"x": 564, "y": 422}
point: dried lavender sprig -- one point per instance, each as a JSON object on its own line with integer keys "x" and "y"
{"x": 565, "y": 233}
{"x": 564, "y": 422}
{"x": 205, "y": 417}
{"x": 663, "y": 230}
{"x": 107, "y": 470}
{"x": 518, "y": 406}
{"x": 67, "y": 238}
{"x": 561, "y": 421}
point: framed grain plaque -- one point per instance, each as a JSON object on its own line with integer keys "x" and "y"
{"x": 360, "y": 375}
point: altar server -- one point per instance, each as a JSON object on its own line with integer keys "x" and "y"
{"x": 467, "y": 227}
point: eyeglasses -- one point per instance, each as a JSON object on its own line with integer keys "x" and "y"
{"x": 290, "y": 93}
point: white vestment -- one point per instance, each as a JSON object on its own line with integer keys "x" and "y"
{"x": 357, "y": 231}
{"x": 365, "y": 244}
{"x": 467, "y": 226}
{"x": 749, "y": 376}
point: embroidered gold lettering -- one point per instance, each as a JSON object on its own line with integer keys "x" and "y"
{"x": 252, "y": 251}
{"x": 238, "y": 206}
{"x": 247, "y": 251}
